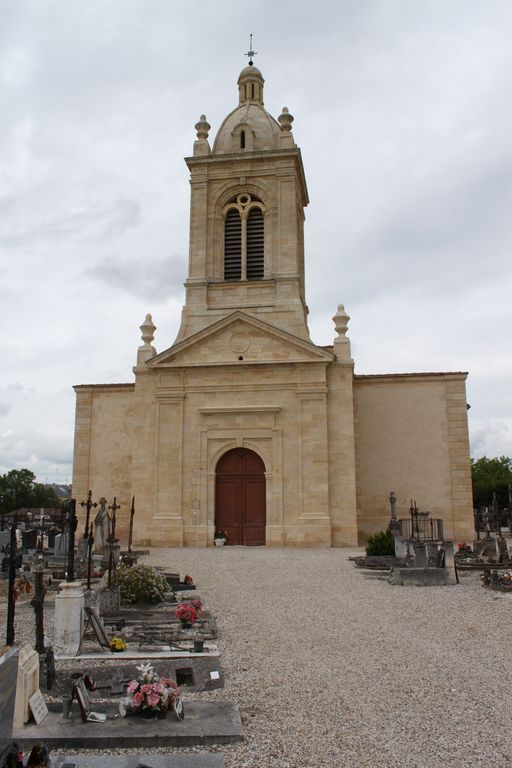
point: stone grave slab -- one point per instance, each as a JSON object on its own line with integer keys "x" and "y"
{"x": 420, "y": 577}
{"x": 140, "y": 652}
{"x": 191, "y": 673}
{"x": 205, "y": 722}
{"x": 141, "y": 761}
{"x": 159, "y": 623}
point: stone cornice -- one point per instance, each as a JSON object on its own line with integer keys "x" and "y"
{"x": 194, "y": 163}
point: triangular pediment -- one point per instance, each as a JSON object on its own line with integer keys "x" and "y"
{"x": 240, "y": 338}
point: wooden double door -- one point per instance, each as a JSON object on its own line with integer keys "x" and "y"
{"x": 240, "y": 498}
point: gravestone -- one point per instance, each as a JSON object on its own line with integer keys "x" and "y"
{"x": 8, "y": 678}
{"x": 60, "y": 546}
{"x": 503, "y": 556}
{"x": 29, "y": 539}
{"x": 489, "y": 546}
{"x": 27, "y": 684}
{"x": 420, "y": 554}
{"x": 4, "y": 539}
{"x": 110, "y": 601}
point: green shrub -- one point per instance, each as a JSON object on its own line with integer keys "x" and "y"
{"x": 140, "y": 584}
{"x": 381, "y": 543}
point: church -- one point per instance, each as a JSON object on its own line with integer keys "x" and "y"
{"x": 244, "y": 425}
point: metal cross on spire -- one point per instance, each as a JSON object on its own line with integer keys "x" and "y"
{"x": 250, "y": 53}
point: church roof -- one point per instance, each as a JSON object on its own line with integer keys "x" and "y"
{"x": 249, "y": 116}
{"x": 249, "y": 71}
{"x": 253, "y": 116}
{"x": 411, "y": 374}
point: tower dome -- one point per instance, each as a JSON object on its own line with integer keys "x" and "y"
{"x": 249, "y": 127}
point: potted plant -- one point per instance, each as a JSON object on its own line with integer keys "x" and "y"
{"x": 117, "y": 644}
{"x": 220, "y": 538}
{"x": 186, "y": 614}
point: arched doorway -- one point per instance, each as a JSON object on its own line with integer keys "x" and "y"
{"x": 240, "y": 505}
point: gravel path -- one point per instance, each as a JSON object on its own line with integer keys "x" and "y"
{"x": 333, "y": 667}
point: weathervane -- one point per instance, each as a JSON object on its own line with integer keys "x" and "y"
{"x": 250, "y": 53}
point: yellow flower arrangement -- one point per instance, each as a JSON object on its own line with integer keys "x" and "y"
{"x": 118, "y": 644}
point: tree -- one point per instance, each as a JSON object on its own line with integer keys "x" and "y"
{"x": 490, "y": 475}
{"x": 18, "y": 489}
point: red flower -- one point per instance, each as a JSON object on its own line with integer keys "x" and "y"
{"x": 186, "y": 612}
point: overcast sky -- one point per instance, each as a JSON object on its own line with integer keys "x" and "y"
{"x": 403, "y": 113}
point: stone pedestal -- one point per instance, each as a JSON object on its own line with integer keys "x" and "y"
{"x": 69, "y": 618}
{"x": 449, "y": 562}
{"x": 27, "y": 684}
{"x": 400, "y": 545}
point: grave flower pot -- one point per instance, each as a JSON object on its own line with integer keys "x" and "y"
{"x": 220, "y": 542}
{"x": 149, "y": 714}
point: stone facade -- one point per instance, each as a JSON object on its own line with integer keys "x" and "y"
{"x": 244, "y": 374}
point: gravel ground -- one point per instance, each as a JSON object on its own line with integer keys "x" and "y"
{"x": 334, "y": 667}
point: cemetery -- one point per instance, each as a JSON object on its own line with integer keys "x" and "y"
{"x": 417, "y": 553}
{"x": 129, "y": 642}
{"x": 124, "y": 654}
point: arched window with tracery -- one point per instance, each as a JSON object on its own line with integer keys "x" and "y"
{"x": 244, "y": 239}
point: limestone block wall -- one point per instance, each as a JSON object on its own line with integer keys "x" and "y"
{"x": 277, "y": 179}
{"x": 411, "y": 436}
{"x": 103, "y": 447}
{"x": 280, "y": 412}
{"x": 341, "y": 448}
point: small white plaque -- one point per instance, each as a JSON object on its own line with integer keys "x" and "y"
{"x": 38, "y": 706}
{"x": 96, "y": 717}
{"x": 214, "y": 675}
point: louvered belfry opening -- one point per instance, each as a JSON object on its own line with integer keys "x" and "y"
{"x": 255, "y": 245}
{"x": 232, "y": 245}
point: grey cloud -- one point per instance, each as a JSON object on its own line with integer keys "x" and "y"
{"x": 96, "y": 223}
{"x": 151, "y": 278}
{"x": 40, "y": 452}
{"x": 491, "y": 438}
{"x": 7, "y": 397}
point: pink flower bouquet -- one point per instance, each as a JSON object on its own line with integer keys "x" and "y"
{"x": 149, "y": 694}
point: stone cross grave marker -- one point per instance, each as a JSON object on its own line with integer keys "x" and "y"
{"x": 101, "y": 528}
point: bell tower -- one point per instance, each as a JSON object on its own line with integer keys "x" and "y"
{"x": 248, "y": 194}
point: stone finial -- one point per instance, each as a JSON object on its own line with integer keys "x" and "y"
{"x": 146, "y": 350}
{"x": 148, "y": 329}
{"x": 340, "y": 321}
{"x": 342, "y": 342}
{"x": 202, "y": 127}
{"x": 285, "y": 120}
